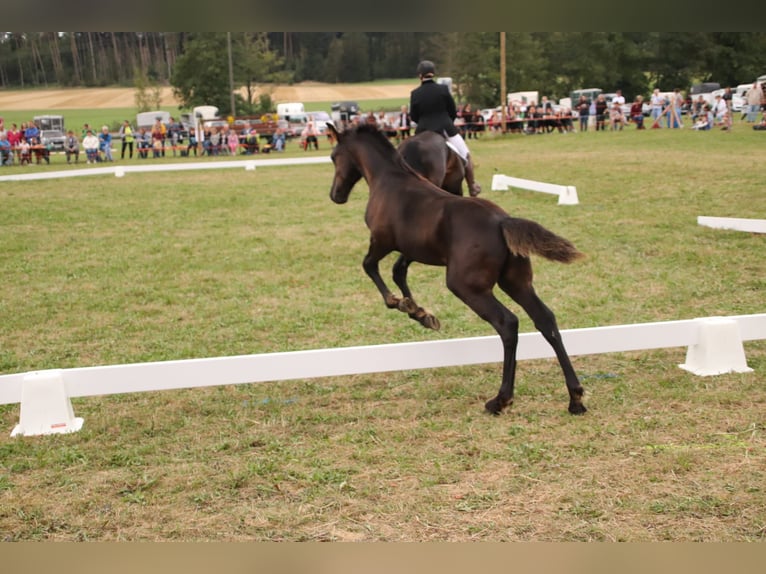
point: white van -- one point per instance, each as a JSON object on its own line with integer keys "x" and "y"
{"x": 739, "y": 97}
{"x": 284, "y": 111}
{"x": 147, "y": 119}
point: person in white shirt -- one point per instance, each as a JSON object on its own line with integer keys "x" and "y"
{"x": 721, "y": 111}
{"x": 657, "y": 102}
{"x": 90, "y": 144}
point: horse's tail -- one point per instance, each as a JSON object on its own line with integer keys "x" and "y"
{"x": 525, "y": 237}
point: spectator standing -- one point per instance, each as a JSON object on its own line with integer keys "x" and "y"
{"x": 601, "y": 109}
{"x": 126, "y": 134}
{"x": 105, "y": 143}
{"x": 479, "y": 124}
{"x": 174, "y": 131}
{"x": 583, "y": 111}
{"x": 754, "y": 97}
{"x": 656, "y": 104}
{"x": 72, "y": 147}
{"x": 90, "y": 144}
{"x": 677, "y": 101}
{"x": 403, "y": 123}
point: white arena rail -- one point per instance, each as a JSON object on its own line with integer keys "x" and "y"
{"x": 121, "y": 170}
{"x": 714, "y": 347}
{"x": 567, "y": 194}
{"x": 733, "y": 223}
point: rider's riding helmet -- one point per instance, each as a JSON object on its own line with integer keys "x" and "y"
{"x": 426, "y": 69}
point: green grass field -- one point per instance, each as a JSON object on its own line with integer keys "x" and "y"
{"x": 103, "y": 270}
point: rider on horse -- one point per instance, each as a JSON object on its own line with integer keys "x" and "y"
{"x": 433, "y": 108}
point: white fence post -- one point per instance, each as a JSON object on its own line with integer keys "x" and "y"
{"x": 718, "y": 350}
{"x": 45, "y": 405}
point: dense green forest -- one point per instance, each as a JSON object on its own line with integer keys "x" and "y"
{"x": 195, "y": 63}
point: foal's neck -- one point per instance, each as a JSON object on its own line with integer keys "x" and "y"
{"x": 377, "y": 162}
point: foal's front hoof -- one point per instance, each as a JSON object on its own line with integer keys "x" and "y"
{"x": 495, "y": 406}
{"x": 430, "y": 322}
{"x": 577, "y": 408}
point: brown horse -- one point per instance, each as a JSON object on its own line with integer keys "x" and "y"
{"x": 430, "y": 156}
{"x": 478, "y": 242}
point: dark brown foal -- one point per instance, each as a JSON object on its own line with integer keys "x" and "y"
{"x": 480, "y": 245}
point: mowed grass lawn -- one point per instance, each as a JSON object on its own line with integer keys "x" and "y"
{"x": 102, "y": 270}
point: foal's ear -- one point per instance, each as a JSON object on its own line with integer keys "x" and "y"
{"x": 333, "y": 131}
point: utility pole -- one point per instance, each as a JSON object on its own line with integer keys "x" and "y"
{"x": 231, "y": 76}
{"x": 502, "y": 80}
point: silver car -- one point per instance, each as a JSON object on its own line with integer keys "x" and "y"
{"x": 55, "y": 138}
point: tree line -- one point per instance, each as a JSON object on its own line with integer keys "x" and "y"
{"x": 196, "y": 64}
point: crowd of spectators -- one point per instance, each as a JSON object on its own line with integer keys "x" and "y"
{"x": 23, "y": 144}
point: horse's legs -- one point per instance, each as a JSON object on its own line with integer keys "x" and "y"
{"x": 407, "y": 304}
{"x": 545, "y": 321}
{"x": 371, "y": 267}
{"x": 486, "y": 306}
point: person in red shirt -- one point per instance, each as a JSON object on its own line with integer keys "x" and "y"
{"x": 637, "y": 112}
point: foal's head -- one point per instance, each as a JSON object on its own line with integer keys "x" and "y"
{"x": 359, "y": 150}
{"x": 346, "y": 171}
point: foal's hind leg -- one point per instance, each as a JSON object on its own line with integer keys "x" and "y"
{"x": 486, "y": 306}
{"x": 521, "y": 291}
{"x": 407, "y": 303}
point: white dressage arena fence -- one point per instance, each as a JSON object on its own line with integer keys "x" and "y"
{"x": 714, "y": 347}
{"x": 567, "y": 194}
{"x": 733, "y": 223}
{"x": 122, "y": 170}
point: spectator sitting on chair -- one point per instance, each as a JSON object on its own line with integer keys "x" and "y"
{"x": 309, "y": 136}
{"x": 616, "y": 119}
{"x": 143, "y": 143}
{"x": 105, "y": 143}
{"x": 71, "y": 147}
{"x": 32, "y": 134}
{"x": 25, "y": 153}
{"x": 91, "y": 145}
{"x": 192, "y": 144}
{"x": 278, "y": 140}
{"x": 704, "y": 119}
{"x": 637, "y": 113}
{"x": 14, "y": 137}
{"x": 6, "y": 156}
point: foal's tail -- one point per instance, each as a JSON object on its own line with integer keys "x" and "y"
{"x": 525, "y": 237}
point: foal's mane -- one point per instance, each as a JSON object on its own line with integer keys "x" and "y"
{"x": 382, "y": 143}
